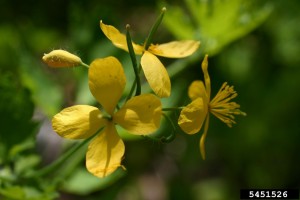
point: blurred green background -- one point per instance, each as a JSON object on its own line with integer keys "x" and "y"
{"x": 253, "y": 45}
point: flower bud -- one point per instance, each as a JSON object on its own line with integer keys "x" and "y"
{"x": 61, "y": 58}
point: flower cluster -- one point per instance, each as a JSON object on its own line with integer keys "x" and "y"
{"x": 139, "y": 114}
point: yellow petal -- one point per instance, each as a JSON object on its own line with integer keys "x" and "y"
{"x": 78, "y": 122}
{"x": 140, "y": 115}
{"x": 175, "y": 49}
{"x": 107, "y": 81}
{"x": 105, "y": 152}
{"x": 156, "y": 75}
{"x": 196, "y": 90}
{"x": 192, "y": 116}
{"x": 119, "y": 39}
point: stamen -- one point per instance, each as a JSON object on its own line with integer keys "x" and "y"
{"x": 221, "y": 106}
{"x": 226, "y": 118}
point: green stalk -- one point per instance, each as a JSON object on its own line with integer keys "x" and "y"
{"x": 172, "y": 136}
{"x": 154, "y": 28}
{"x": 161, "y": 136}
{"x": 85, "y": 65}
{"x": 50, "y": 168}
{"x": 131, "y": 90}
{"x": 134, "y": 63}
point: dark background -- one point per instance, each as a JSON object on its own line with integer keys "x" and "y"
{"x": 260, "y": 151}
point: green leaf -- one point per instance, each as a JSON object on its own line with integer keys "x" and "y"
{"x": 26, "y": 193}
{"x": 33, "y": 193}
{"x": 83, "y": 183}
{"x": 16, "y": 109}
{"x": 2, "y": 153}
{"x": 45, "y": 92}
{"x": 215, "y": 23}
{"x": 25, "y": 163}
{"x": 18, "y": 148}
{"x": 6, "y": 175}
{"x": 14, "y": 192}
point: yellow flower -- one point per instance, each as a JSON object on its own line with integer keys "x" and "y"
{"x": 61, "y": 58}
{"x": 194, "y": 114}
{"x": 155, "y": 72}
{"x": 140, "y": 115}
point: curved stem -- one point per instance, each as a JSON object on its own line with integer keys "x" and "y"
{"x": 85, "y": 65}
{"x": 162, "y": 136}
{"x": 172, "y": 136}
{"x": 50, "y": 168}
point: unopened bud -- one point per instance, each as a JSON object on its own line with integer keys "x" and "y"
{"x": 61, "y": 58}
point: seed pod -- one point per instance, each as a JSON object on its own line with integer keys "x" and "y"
{"x": 61, "y": 58}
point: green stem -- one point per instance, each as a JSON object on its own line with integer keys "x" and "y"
{"x": 50, "y": 168}
{"x": 161, "y": 135}
{"x": 131, "y": 90}
{"x": 133, "y": 60}
{"x": 172, "y": 136}
{"x": 154, "y": 28}
{"x": 85, "y": 65}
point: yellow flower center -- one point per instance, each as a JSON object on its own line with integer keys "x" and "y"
{"x": 222, "y": 108}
